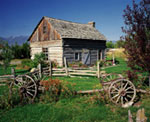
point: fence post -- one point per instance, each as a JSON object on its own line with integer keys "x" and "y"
{"x": 10, "y": 88}
{"x": 66, "y": 69}
{"x": 13, "y": 72}
{"x": 130, "y": 116}
{"x": 140, "y": 116}
{"x": 98, "y": 69}
{"x": 113, "y": 58}
{"x": 40, "y": 70}
{"x": 50, "y": 68}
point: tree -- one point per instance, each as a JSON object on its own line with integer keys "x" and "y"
{"x": 110, "y": 44}
{"x": 21, "y": 51}
{"x": 137, "y": 35}
{"x": 25, "y": 50}
{"x": 120, "y": 44}
{"x": 7, "y": 55}
{"x": 16, "y": 51}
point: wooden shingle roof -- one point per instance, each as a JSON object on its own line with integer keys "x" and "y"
{"x": 75, "y": 30}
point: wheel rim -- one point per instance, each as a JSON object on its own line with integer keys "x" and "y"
{"x": 27, "y": 87}
{"x": 122, "y": 91}
{"x": 111, "y": 77}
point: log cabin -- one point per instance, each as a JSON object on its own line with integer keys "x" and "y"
{"x": 58, "y": 39}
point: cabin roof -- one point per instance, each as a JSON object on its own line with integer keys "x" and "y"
{"x": 68, "y": 29}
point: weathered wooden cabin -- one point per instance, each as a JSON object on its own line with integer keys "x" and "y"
{"x": 58, "y": 39}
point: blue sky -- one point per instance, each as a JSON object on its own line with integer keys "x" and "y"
{"x": 20, "y": 17}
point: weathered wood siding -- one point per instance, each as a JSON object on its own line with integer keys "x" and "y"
{"x": 74, "y": 45}
{"x": 45, "y": 36}
{"x": 44, "y": 32}
{"x": 55, "y": 50}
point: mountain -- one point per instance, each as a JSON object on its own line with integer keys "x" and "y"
{"x": 13, "y": 39}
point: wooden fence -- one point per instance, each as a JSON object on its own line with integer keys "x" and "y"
{"x": 64, "y": 71}
{"x": 140, "y": 116}
{"x": 67, "y": 71}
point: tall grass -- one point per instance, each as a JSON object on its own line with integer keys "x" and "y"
{"x": 118, "y": 53}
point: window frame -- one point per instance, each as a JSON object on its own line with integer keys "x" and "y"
{"x": 77, "y": 56}
{"x": 45, "y": 52}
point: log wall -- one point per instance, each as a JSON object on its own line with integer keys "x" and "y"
{"x": 55, "y": 50}
{"x": 74, "y": 45}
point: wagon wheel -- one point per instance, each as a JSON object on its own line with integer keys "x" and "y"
{"x": 122, "y": 91}
{"x": 35, "y": 76}
{"x": 26, "y": 86}
{"x": 107, "y": 79}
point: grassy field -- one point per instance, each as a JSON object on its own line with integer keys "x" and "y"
{"x": 8, "y": 70}
{"x": 76, "y": 108}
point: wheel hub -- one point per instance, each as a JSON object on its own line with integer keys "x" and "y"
{"x": 23, "y": 90}
{"x": 122, "y": 92}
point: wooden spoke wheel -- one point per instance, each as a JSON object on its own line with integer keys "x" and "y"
{"x": 107, "y": 79}
{"x": 35, "y": 76}
{"x": 26, "y": 86}
{"x": 122, "y": 91}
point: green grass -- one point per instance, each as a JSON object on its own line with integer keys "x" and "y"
{"x": 81, "y": 108}
{"x": 77, "y": 109}
{"x": 3, "y": 89}
{"x": 120, "y": 68}
{"x": 8, "y": 71}
{"x": 86, "y": 83}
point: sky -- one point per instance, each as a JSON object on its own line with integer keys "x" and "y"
{"x": 20, "y": 17}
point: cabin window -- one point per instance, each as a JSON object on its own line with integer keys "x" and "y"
{"x": 44, "y": 29}
{"x": 45, "y": 52}
{"x": 77, "y": 56}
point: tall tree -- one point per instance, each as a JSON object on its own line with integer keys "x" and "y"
{"x": 137, "y": 35}
{"x": 7, "y": 55}
{"x": 120, "y": 44}
{"x": 25, "y": 50}
{"x": 110, "y": 44}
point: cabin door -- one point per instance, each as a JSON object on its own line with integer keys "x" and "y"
{"x": 86, "y": 58}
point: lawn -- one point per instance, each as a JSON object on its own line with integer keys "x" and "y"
{"x": 76, "y": 108}
{"x": 8, "y": 70}
{"x": 86, "y": 83}
{"x": 119, "y": 68}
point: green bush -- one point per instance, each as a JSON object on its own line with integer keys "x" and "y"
{"x": 8, "y": 101}
{"x": 39, "y": 59}
{"x": 28, "y": 63}
{"x": 54, "y": 63}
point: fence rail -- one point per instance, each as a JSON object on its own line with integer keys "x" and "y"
{"x": 65, "y": 71}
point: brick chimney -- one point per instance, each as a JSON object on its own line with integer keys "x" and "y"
{"x": 92, "y": 24}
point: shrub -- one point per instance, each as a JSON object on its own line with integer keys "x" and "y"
{"x": 25, "y": 64}
{"x": 39, "y": 59}
{"x": 100, "y": 98}
{"x": 54, "y": 63}
{"x": 7, "y": 101}
{"x": 54, "y": 90}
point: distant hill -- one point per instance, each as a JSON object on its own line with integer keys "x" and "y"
{"x": 12, "y": 40}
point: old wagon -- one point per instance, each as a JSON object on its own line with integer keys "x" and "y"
{"x": 121, "y": 91}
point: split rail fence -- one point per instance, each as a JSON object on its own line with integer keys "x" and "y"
{"x": 72, "y": 72}
{"x": 64, "y": 71}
